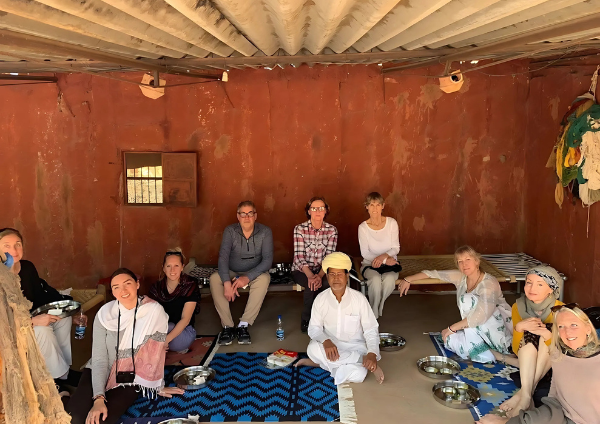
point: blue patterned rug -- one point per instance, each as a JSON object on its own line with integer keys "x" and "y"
{"x": 492, "y": 380}
{"x": 244, "y": 390}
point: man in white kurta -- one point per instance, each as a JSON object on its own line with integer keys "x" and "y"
{"x": 343, "y": 330}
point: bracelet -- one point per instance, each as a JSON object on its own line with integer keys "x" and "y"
{"x": 451, "y": 330}
{"x": 406, "y": 280}
{"x": 99, "y": 397}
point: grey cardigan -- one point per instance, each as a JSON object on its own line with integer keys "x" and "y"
{"x": 103, "y": 356}
{"x": 252, "y": 256}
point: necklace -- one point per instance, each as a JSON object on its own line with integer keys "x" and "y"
{"x": 469, "y": 290}
{"x": 171, "y": 289}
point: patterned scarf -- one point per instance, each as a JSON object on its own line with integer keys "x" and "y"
{"x": 529, "y": 309}
{"x": 187, "y": 286}
{"x": 151, "y": 325}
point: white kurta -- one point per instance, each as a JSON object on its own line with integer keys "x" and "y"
{"x": 351, "y": 326}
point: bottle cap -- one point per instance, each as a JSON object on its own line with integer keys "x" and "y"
{"x": 279, "y": 316}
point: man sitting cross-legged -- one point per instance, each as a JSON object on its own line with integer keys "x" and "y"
{"x": 343, "y": 330}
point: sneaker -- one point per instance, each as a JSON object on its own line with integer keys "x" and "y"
{"x": 227, "y": 335}
{"x": 304, "y": 326}
{"x": 243, "y": 335}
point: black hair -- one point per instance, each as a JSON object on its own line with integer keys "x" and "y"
{"x": 126, "y": 271}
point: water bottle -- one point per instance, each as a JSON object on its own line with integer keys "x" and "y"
{"x": 279, "y": 333}
{"x": 80, "y": 325}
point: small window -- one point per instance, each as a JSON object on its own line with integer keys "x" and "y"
{"x": 160, "y": 179}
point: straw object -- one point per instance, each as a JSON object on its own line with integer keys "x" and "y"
{"x": 28, "y": 391}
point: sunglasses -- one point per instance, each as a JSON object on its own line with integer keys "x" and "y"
{"x": 566, "y": 305}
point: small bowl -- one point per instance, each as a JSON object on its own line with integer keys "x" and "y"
{"x": 389, "y": 342}
{"x": 185, "y": 378}
{"x": 455, "y": 394}
{"x": 178, "y": 421}
{"x": 438, "y": 367}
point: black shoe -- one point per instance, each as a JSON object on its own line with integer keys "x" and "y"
{"x": 227, "y": 335}
{"x": 243, "y": 335}
{"x": 304, "y": 326}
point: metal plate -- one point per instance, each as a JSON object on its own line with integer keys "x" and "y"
{"x": 389, "y": 342}
{"x": 455, "y": 394}
{"x": 178, "y": 421}
{"x": 438, "y": 367}
{"x": 68, "y": 308}
{"x": 185, "y": 378}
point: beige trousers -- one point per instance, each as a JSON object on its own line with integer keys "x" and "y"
{"x": 54, "y": 342}
{"x": 258, "y": 290}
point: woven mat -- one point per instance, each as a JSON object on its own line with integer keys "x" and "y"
{"x": 415, "y": 264}
{"x": 245, "y": 390}
{"x": 198, "y": 352}
{"x": 492, "y": 380}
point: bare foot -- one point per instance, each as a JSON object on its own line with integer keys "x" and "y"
{"x": 510, "y": 404}
{"x": 523, "y": 404}
{"x": 378, "y": 373}
{"x": 306, "y": 361}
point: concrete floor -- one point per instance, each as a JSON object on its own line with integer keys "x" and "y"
{"x": 405, "y": 394}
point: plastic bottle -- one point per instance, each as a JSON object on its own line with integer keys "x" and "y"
{"x": 279, "y": 332}
{"x": 80, "y": 326}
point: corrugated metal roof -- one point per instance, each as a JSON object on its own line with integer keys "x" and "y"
{"x": 208, "y": 34}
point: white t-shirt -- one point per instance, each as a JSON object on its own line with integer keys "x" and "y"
{"x": 376, "y": 242}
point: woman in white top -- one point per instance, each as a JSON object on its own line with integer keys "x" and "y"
{"x": 379, "y": 242}
{"x": 486, "y": 323}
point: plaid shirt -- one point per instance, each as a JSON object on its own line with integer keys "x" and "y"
{"x": 312, "y": 245}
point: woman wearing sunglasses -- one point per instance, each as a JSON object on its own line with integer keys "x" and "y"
{"x": 179, "y": 295}
{"x": 532, "y": 319}
{"x": 313, "y": 240}
{"x": 128, "y": 355}
{"x": 574, "y": 396}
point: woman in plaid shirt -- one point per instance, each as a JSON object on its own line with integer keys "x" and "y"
{"x": 313, "y": 240}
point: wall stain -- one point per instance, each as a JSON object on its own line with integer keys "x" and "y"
{"x": 42, "y": 212}
{"x": 95, "y": 247}
{"x": 553, "y": 103}
{"x": 430, "y": 93}
{"x": 222, "y": 146}
{"x": 419, "y": 223}
{"x": 269, "y": 203}
{"x": 67, "y": 199}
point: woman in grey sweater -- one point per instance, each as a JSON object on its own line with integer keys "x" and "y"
{"x": 128, "y": 355}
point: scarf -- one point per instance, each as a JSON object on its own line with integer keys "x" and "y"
{"x": 187, "y": 286}
{"x": 151, "y": 324}
{"x": 529, "y": 309}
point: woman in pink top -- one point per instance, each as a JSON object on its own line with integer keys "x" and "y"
{"x": 574, "y": 396}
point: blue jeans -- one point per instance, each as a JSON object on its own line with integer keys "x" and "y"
{"x": 184, "y": 340}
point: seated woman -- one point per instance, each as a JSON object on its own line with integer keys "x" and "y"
{"x": 313, "y": 240}
{"x": 486, "y": 322}
{"x": 114, "y": 376}
{"x": 179, "y": 295}
{"x": 379, "y": 242}
{"x": 574, "y": 396}
{"x": 53, "y": 334}
{"x": 532, "y": 321}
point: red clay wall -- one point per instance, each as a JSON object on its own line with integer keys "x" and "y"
{"x": 559, "y": 236}
{"x": 451, "y": 166}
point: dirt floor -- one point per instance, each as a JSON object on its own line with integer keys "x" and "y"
{"x": 405, "y": 394}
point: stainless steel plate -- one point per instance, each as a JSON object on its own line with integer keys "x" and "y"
{"x": 68, "y": 308}
{"x": 455, "y": 394}
{"x": 389, "y": 342}
{"x": 438, "y": 367}
{"x": 185, "y": 378}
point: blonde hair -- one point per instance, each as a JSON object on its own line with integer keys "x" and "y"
{"x": 466, "y": 249}
{"x": 557, "y": 344}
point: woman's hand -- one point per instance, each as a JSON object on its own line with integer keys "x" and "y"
{"x": 403, "y": 287}
{"x": 445, "y": 333}
{"x": 44, "y": 320}
{"x": 378, "y": 261}
{"x": 99, "y": 409}
{"x": 529, "y": 324}
{"x": 170, "y": 391}
{"x": 492, "y": 419}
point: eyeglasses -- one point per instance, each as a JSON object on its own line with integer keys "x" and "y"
{"x": 247, "y": 214}
{"x": 319, "y": 209}
{"x": 566, "y": 305}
